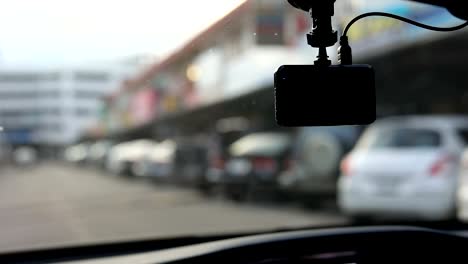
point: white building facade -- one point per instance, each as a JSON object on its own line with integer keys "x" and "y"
{"x": 53, "y": 107}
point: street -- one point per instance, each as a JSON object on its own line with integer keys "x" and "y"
{"x": 56, "y": 205}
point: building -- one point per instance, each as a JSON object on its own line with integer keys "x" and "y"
{"x": 53, "y": 107}
{"x": 229, "y": 65}
{"x": 234, "y": 56}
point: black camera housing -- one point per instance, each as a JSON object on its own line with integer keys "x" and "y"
{"x": 311, "y": 95}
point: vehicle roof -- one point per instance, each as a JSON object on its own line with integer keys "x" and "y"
{"x": 426, "y": 120}
{"x": 265, "y": 143}
{"x": 267, "y": 134}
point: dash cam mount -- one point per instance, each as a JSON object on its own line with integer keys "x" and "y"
{"x": 331, "y": 95}
{"x": 324, "y": 94}
{"x": 322, "y": 34}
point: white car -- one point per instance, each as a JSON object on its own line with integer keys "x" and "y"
{"x": 122, "y": 156}
{"x": 462, "y": 194}
{"x": 158, "y": 162}
{"x": 404, "y": 166}
{"x": 77, "y": 153}
{"x": 315, "y": 162}
{"x": 24, "y": 156}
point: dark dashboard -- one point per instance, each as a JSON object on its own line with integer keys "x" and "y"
{"x": 387, "y": 244}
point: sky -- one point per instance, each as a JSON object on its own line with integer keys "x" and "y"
{"x": 71, "y": 32}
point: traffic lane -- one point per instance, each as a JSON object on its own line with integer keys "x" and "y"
{"x": 53, "y": 205}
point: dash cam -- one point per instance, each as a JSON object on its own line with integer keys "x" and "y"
{"x": 311, "y": 95}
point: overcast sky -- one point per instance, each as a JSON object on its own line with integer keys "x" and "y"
{"x": 68, "y": 32}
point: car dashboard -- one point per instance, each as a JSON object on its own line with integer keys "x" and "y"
{"x": 385, "y": 244}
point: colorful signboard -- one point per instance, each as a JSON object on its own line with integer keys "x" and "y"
{"x": 143, "y": 106}
{"x": 374, "y": 33}
{"x": 270, "y": 22}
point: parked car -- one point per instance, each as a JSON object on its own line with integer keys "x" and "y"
{"x": 99, "y": 152}
{"x": 123, "y": 156}
{"x": 182, "y": 163}
{"x": 25, "y": 156}
{"x": 317, "y": 154}
{"x": 190, "y": 164}
{"x": 405, "y": 166}
{"x": 462, "y": 191}
{"x": 77, "y": 153}
{"x": 157, "y": 163}
{"x": 255, "y": 163}
{"x": 216, "y": 162}
{"x": 227, "y": 132}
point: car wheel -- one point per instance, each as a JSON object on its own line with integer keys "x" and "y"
{"x": 235, "y": 194}
{"x": 206, "y": 190}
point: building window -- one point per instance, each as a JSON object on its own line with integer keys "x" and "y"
{"x": 270, "y": 23}
{"x": 7, "y": 95}
{"x": 52, "y": 127}
{"x": 11, "y": 77}
{"x": 29, "y": 113}
{"x": 28, "y": 77}
{"x": 84, "y": 112}
{"x": 91, "y": 76}
{"x": 83, "y": 94}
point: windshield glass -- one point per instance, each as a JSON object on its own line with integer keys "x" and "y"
{"x": 133, "y": 119}
{"x": 463, "y": 134}
{"x": 260, "y": 144}
{"x": 404, "y": 138}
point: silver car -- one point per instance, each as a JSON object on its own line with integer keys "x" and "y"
{"x": 315, "y": 161}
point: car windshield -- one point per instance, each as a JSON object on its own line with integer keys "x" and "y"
{"x": 131, "y": 120}
{"x": 463, "y": 134}
{"x": 260, "y": 144}
{"x": 404, "y": 138}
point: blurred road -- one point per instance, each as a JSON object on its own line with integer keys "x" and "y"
{"x": 53, "y": 205}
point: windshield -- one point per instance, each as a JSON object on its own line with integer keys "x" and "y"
{"x": 260, "y": 144}
{"x": 129, "y": 120}
{"x": 403, "y": 138}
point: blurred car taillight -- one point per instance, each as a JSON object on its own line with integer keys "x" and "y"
{"x": 440, "y": 164}
{"x": 345, "y": 166}
{"x": 218, "y": 163}
{"x": 264, "y": 164}
{"x": 288, "y": 164}
{"x": 464, "y": 162}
